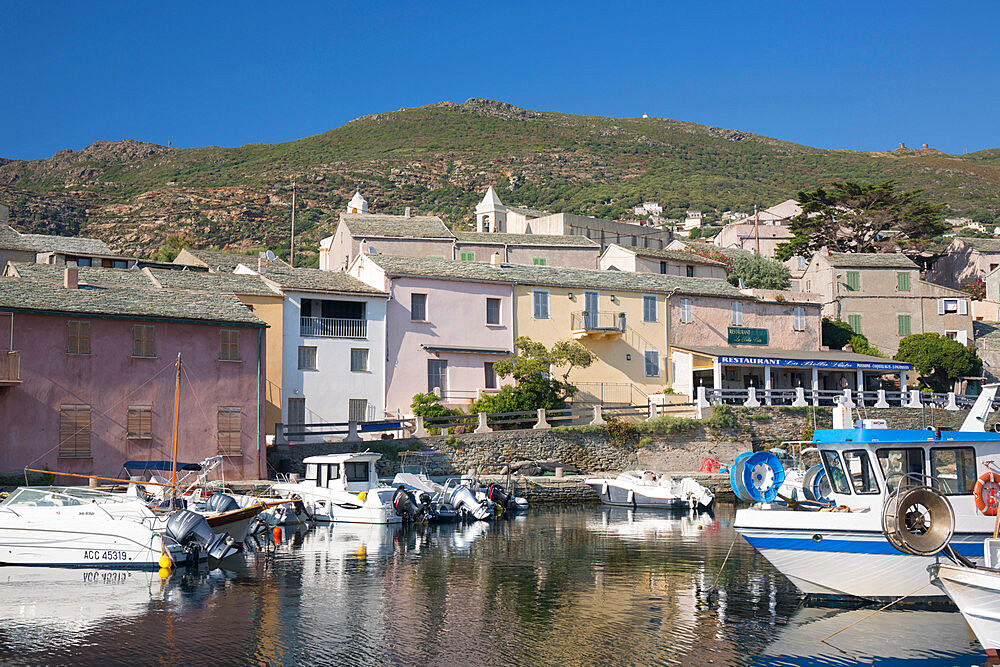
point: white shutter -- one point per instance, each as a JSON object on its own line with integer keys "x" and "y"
{"x": 963, "y": 336}
{"x": 963, "y": 307}
{"x": 940, "y": 306}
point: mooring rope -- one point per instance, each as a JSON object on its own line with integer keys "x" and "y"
{"x": 873, "y": 613}
{"x": 724, "y": 561}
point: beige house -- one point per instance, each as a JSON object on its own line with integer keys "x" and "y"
{"x": 964, "y": 260}
{"x": 763, "y": 238}
{"x": 883, "y": 297}
{"x": 60, "y": 250}
{"x": 666, "y": 262}
{"x": 577, "y": 252}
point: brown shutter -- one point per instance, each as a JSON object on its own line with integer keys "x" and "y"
{"x": 83, "y": 336}
{"x": 74, "y": 431}
{"x": 72, "y": 337}
{"x": 143, "y": 337}
{"x": 140, "y": 422}
{"x": 230, "y": 431}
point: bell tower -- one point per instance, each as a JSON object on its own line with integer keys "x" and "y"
{"x": 491, "y": 214}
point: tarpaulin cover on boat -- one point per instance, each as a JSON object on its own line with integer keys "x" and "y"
{"x": 158, "y": 465}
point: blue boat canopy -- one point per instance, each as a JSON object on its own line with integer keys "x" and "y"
{"x": 159, "y": 465}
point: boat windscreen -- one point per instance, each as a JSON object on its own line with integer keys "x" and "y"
{"x": 46, "y": 497}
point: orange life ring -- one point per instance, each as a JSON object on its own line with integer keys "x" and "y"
{"x": 987, "y": 493}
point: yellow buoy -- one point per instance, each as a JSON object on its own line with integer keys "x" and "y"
{"x": 164, "y": 573}
{"x": 165, "y": 562}
{"x": 362, "y": 496}
{"x": 362, "y": 551}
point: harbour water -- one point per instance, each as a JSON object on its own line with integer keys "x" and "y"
{"x": 566, "y": 586}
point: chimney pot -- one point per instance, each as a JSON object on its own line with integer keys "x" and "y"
{"x": 495, "y": 259}
{"x": 71, "y": 277}
{"x": 407, "y": 212}
{"x": 261, "y": 264}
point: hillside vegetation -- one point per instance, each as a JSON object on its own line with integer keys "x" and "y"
{"x": 439, "y": 159}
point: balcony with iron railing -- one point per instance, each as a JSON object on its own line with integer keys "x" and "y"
{"x": 333, "y": 327}
{"x": 10, "y": 368}
{"x": 596, "y": 324}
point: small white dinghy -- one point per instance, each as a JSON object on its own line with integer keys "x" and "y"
{"x": 644, "y": 488}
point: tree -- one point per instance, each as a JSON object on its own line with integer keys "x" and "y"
{"x": 530, "y": 368}
{"x": 429, "y": 405}
{"x": 836, "y": 333}
{"x": 758, "y": 272}
{"x": 851, "y": 217}
{"x": 939, "y": 359}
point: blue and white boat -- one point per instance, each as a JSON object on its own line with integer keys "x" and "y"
{"x": 842, "y": 552}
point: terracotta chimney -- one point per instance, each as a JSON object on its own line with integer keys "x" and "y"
{"x": 71, "y": 278}
{"x": 262, "y": 264}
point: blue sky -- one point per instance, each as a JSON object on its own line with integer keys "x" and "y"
{"x": 834, "y": 75}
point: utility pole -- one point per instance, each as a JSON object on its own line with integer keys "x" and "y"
{"x": 291, "y": 258}
{"x": 756, "y": 226}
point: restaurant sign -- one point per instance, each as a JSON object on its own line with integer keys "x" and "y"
{"x": 816, "y": 363}
{"x": 747, "y": 336}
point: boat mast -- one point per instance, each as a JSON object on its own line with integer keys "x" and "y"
{"x": 173, "y": 457}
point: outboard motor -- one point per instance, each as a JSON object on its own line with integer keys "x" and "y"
{"x": 220, "y": 502}
{"x": 189, "y": 528}
{"x": 461, "y": 499}
{"x": 405, "y": 505}
{"x": 498, "y": 495}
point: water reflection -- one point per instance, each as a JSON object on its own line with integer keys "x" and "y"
{"x": 590, "y": 585}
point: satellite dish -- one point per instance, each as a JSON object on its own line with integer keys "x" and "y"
{"x": 270, "y": 256}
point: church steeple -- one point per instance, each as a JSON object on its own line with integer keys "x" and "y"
{"x": 491, "y": 213}
{"x": 358, "y": 204}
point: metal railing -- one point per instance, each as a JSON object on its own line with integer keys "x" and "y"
{"x": 333, "y": 327}
{"x": 10, "y": 366}
{"x": 829, "y": 397}
{"x": 598, "y": 322}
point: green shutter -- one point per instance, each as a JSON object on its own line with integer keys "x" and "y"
{"x": 904, "y": 324}
{"x": 855, "y": 322}
{"x": 467, "y": 256}
{"x": 903, "y": 282}
{"x": 853, "y": 280}
{"x": 538, "y": 261}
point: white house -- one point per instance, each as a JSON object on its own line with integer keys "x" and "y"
{"x": 333, "y": 345}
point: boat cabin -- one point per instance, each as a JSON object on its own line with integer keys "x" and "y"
{"x": 353, "y": 472}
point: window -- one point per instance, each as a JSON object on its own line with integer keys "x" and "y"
{"x": 491, "y": 376}
{"x": 229, "y": 340}
{"x": 74, "y": 431}
{"x": 143, "y": 338}
{"x": 355, "y": 471}
{"x": 802, "y": 263}
{"x": 903, "y": 282}
{"x": 799, "y": 318}
{"x": 855, "y": 322}
{"x": 467, "y": 256}
{"x": 77, "y": 337}
{"x": 651, "y": 363}
{"x": 540, "y": 300}
{"x": 737, "y": 313}
{"x": 809, "y": 285}
{"x": 904, "y": 324}
{"x": 437, "y": 376}
{"x": 954, "y": 468}
{"x": 835, "y": 472}
{"x": 896, "y": 463}
{"x": 307, "y": 358}
{"x": 296, "y": 418}
{"x": 418, "y": 307}
{"x": 960, "y": 306}
{"x": 538, "y": 261}
{"x": 357, "y": 409}
{"x": 993, "y": 267}
{"x": 492, "y": 311}
{"x": 951, "y": 335}
{"x": 686, "y": 314}
{"x": 435, "y": 256}
{"x": 140, "y": 422}
{"x": 689, "y": 271}
{"x": 854, "y": 280}
{"x": 859, "y": 467}
{"x": 359, "y": 360}
{"x": 230, "y": 426}
{"x": 663, "y": 267}
{"x": 648, "y": 308}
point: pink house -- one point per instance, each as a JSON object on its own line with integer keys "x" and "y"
{"x": 446, "y": 324}
{"x": 87, "y": 378}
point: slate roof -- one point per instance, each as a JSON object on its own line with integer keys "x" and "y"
{"x": 555, "y": 276}
{"x": 11, "y": 239}
{"x": 395, "y": 226}
{"x": 528, "y": 212}
{"x": 870, "y": 260}
{"x": 316, "y": 280}
{"x": 982, "y": 245}
{"x": 987, "y": 335}
{"x": 555, "y": 240}
{"x": 52, "y": 273}
{"x": 233, "y": 283}
{"x": 674, "y": 255}
{"x": 728, "y": 252}
{"x": 226, "y": 262}
{"x": 139, "y": 302}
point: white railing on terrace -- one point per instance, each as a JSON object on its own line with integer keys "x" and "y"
{"x": 607, "y": 322}
{"x": 333, "y": 327}
{"x": 830, "y": 396}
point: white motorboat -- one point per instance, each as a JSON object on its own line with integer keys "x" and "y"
{"x": 645, "y": 488}
{"x": 79, "y": 526}
{"x": 343, "y": 487}
{"x": 645, "y": 524}
{"x": 976, "y": 593}
{"x": 843, "y": 553}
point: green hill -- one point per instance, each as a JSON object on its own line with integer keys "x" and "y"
{"x": 439, "y": 159}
